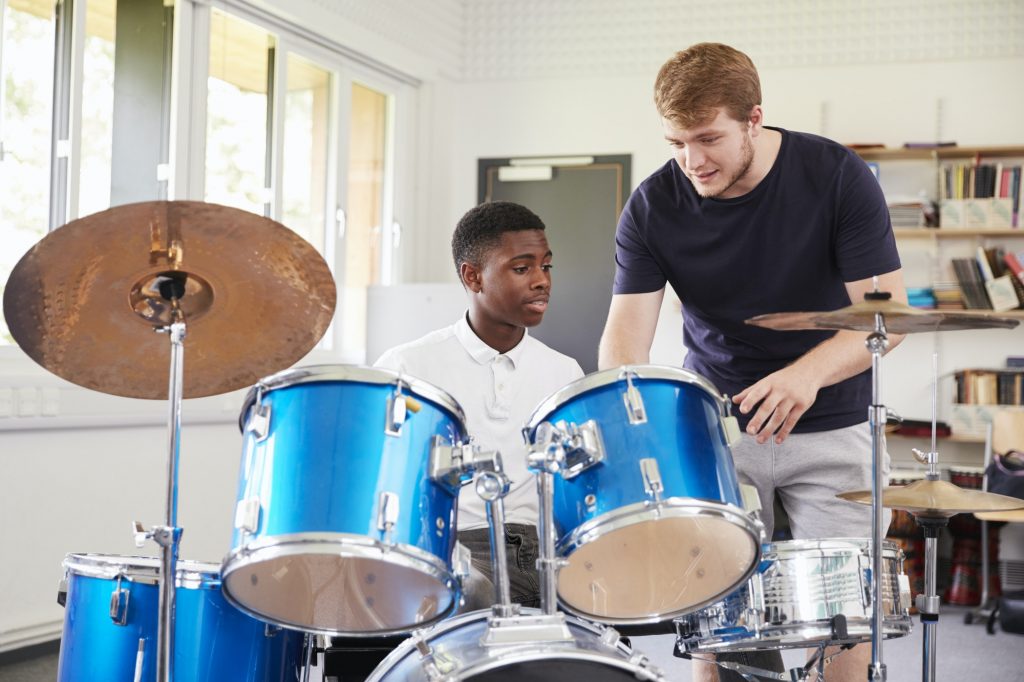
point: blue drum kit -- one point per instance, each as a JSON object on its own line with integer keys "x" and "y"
{"x": 346, "y": 511}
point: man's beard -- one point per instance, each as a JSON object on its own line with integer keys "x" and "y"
{"x": 747, "y": 159}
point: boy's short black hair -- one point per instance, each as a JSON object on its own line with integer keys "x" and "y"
{"x": 481, "y": 229}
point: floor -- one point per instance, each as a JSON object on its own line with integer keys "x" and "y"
{"x": 964, "y": 652}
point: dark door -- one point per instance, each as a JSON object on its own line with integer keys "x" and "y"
{"x": 580, "y": 204}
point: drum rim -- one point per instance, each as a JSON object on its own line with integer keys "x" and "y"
{"x": 278, "y": 546}
{"x": 633, "y": 663}
{"x": 361, "y": 374}
{"x": 828, "y": 546}
{"x": 144, "y": 570}
{"x": 893, "y": 626}
{"x": 672, "y": 507}
{"x": 613, "y": 375}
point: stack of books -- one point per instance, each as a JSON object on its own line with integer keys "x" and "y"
{"x": 947, "y": 296}
{"x": 910, "y": 212}
{"x": 992, "y": 280}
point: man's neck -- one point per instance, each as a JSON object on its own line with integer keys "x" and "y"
{"x": 500, "y": 337}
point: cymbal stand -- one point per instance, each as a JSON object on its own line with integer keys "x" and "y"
{"x": 168, "y": 536}
{"x": 931, "y": 525}
{"x": 877, "y": 342}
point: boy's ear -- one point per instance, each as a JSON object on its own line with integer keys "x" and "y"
{"x": 471, "y": 278}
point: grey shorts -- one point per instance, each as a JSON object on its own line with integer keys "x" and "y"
{"x": 807, "y": 471}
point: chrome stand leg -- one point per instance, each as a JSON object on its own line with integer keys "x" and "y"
{"x": 168, "y": 536}
{"x": 548, "y": 563}
{"x": 876, "y": 343}
{"x": 928, "y": 603}
{"x": 491, "y": 487}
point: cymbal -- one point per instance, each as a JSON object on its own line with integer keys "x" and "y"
{"x": 899, "y": 319}
{"x": 85, "y": 301}
{"x": 1015, "y": 516}
{"x": 936, "y": 498}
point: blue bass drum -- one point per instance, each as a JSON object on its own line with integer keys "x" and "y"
{"x": 656, "y": 528}
{"x": 110, "y": 627}
{"x": 341, "y": 527}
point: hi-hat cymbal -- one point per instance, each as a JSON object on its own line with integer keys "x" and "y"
{"x": 85, "y": 301}
{"x": 936, "y": 498}
{"x": 899, "y": 319}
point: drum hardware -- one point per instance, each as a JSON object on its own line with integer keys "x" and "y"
{"x": 879, "y": 315}
{"x": 387, "y": 516}
{"x": 119, "y": 603}
{"x": 932, "y": 502}
{"x": 634, "y": 401}
{"x": 652, "y": 478}
{"x": 399, "y": 405}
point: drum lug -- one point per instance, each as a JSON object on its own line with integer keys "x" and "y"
{"x": 652, "y": 478}
{"x": 396, "y": 413}
{"x": 387, "y": 515}
{"x": 247, "y": 515}
{"x": 635, "y": 410}
{"x": 62, "y": 591}
{"x": 259, "y": 422}
{"x": 462, "y": 561}
{"x": 119, "y": 604}
{"x": 731, "y": 430}
{"x": 427, "y": 658}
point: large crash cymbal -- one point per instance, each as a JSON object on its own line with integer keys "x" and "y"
{"x": 899, "y": 319}
{"x": 86, "y": 300}
{"x": 937, "y": 499}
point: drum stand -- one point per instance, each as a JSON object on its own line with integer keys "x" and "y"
{"x": 877, "y": 342}
{"x": 168, "y": 536}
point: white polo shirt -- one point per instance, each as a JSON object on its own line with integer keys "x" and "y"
{"x": 498, "y": 393}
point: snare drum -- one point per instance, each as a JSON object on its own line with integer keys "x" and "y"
{"x": 808, "y": 593}
{"x": 468, "y": 647}
{"x": 655, "y": 528}
{"x": 339, "y": 526}
{"x": 110, "y": 626}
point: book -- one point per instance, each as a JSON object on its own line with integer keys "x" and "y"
{"x": 1001, "y": 293}
{"x": 971, "y": 287}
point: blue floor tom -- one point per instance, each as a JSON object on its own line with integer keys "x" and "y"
{"x": 110, "y": 626}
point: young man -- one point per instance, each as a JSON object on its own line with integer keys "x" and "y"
{"x": 747, "y": 219}
{"x": 498, "y": 373}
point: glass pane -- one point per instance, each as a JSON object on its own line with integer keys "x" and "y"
{"x": 97, "y": 107}
{"x": 236, "y": 117}
{"x": 25, "y": 124}
{"x": 367, "y": 174}
{"x": 304, "y": 179}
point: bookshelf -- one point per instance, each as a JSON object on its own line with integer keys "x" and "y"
{"x": 927, "y": 254}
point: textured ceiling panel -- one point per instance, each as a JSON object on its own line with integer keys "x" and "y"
{"x": 579, "y": 38}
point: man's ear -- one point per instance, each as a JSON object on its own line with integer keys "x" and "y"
{"x": 471, "y": 277}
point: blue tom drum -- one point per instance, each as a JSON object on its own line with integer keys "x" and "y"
{"x": 110, "y": 626}
{"x": 655, "y": 527}
{"x": 341, "y": 527}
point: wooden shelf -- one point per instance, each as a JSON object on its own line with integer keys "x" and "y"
{"x": 953, "y": 438}
{"x": 904, "y": 154}
{"x": 956, "y": 232}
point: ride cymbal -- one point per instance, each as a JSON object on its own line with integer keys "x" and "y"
{"x": 86, "y": 300}
{"x": 936, "y": 498}
{"x": 899, "y": 319}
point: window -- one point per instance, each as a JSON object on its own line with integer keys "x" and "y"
{"x": 25, "y": 124}
{"x": 365, "y": 228}
{"x": 97, "y": 107}
{"x": 236, "y": 114}
{"x": 306, "y": 146}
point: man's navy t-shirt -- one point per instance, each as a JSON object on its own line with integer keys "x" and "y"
{"x": 815, "y": 222}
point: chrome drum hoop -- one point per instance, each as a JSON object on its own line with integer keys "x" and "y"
{"x": 344, "y": 545}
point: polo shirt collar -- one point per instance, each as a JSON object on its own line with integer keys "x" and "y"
{"x": 479, "y": 350}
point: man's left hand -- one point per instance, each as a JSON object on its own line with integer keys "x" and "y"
{"x": 781, "y": 398}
